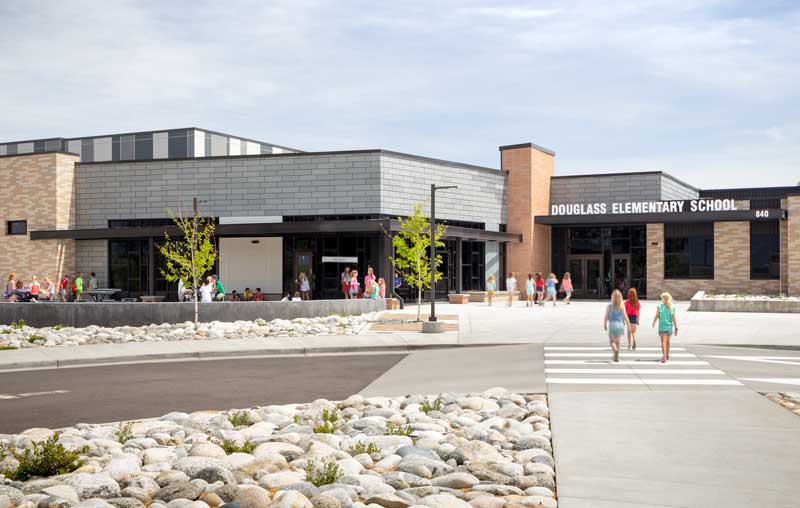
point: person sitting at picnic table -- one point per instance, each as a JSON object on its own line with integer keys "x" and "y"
{"x": 259, "y": 296}
{"x": 235, "y": 297}
{"x": 247, "y": 296}
{"x": 34, "y": 289}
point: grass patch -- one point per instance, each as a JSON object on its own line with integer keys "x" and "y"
{"x": 59, "y": 327}
{"x": 361, "y": 447}
{"x": 43, "y": 459}
{"x": 5, "y": 330}
{"x": 330, "y": 422}
{"x": 239, "y": 419}
{"x": 428, "y": 406}
{"x": 398, "y": 430}
{"x": 230, "y": 446}
{"x": 325, "y": 474}
{"x": 18, "y": 325}
{"x": 124, "y": 432}
{"x": 7, "y": 348}
{"x": 34, "y": 338}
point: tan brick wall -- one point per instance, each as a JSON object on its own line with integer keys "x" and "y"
{"x": 731, "y": 265}
{"x": 39, "y": 189}
{"x": 793, "y": 245}
{"x": 529, "y": 172}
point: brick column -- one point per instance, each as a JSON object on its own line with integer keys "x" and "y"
{"x": 529, "y": 169}
{"x": 655, "y": 261}
{"x": 793, "y": 245}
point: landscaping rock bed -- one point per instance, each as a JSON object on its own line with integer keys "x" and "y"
{"x": 21, "y": 336}
{"x": 789, "y": 400}
{"x": 707, "y": 302}
{"x": 489, "y": 450}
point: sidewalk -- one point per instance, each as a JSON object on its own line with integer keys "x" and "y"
{"x": 70, "y": 356}
{"x": 699, "y": 448}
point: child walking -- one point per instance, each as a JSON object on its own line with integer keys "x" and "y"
{"x": 355, "y": 287}
{"x": 490, "y": 288}
{"x": 615, "y": 322}
{"x": 632, "y": 306}
{"x": 667, "y": 324}
{"x": 550, "y": 288}
{"x": 539, "y": 282}
{"x": 566, "y": 287}
{"x": 529, "y": 291}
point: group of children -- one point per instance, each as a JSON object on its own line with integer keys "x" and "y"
{"x": 374, "y": 287}
{"x": 624, "y": 317}
{"x": 18, "y": 290}
{"x": 538, "y": 290}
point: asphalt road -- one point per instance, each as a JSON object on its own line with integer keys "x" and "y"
{"x": 62, "y": 397}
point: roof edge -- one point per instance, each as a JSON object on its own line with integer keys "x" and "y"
{"x": 48, "y": 152}
{"x": 528, "y": 145}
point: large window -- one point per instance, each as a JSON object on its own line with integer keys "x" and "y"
{"x": 765, "y": 250}
{"x": 689, "y": 251}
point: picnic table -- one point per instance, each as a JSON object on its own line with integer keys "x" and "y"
{"x": 102, "y": 294}
{"x": 151, "y": 298}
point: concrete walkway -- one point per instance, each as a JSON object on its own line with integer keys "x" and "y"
{"x": 698, "y": 448}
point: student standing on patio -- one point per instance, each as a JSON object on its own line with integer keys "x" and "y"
{"x": 63, "y": 288}
{"x": 78, "y": 287}
{"x": 511, "y": 288}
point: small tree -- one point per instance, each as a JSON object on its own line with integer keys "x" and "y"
{"x": 412, "y": 248}
{"x": 190, "y": 258}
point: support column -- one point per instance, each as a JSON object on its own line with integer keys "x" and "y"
{"x": 459, "y": 266}
{"x": 151, "y": 261}
{"x": 385, "y": 268}
{"x": 793, "y": 246}
{"x": 529, "y": 169}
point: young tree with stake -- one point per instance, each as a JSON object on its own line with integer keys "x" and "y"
{"x": 412, "y": 252}
{"x": 191, "y": 257}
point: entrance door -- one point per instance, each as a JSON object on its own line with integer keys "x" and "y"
{"x": 621, "y": 272}
{"x": 585, "y": 272}
{"x": 303, "y": 262}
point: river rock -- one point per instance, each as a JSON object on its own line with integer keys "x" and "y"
{"x": 179, "y": 490}
{"x": 89, "y": 486}
{"x": 253, "y": 496}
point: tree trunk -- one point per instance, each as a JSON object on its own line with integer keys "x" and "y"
{"x": 196, "y": 310}
{"x": 419, "y": 301}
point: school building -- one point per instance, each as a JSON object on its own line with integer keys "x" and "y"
{"x": 101, "y": 204}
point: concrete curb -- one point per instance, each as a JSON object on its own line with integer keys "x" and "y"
{"x": 220, "y": 355}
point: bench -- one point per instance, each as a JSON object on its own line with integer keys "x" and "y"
{"x": 151, "y": 298}
{"x": 480, "y": 296}
{"x": 102, "y": 294}
{"x": 458, "y": 298}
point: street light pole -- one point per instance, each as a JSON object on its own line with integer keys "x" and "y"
{"x": 434, "y": 188}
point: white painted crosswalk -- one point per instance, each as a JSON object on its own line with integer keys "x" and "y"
{"x": 592, "y": 365}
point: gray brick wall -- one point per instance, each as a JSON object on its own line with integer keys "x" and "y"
{"x": 480, "y": 197}
{"x": 92, "y": 256}
{"x": 670, "y": 190}
{"x": 239, "y": 186}
{"x": 605, "y": 189}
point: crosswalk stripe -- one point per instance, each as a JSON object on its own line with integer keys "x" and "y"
{"x": 654, "y": 371}
{"x": 624, "y": 362}
{"x": 775, "y": 380}
{"x": 603, "y": 348}
{"x": 627, "y": 354}
{"x": 638, "y": 381}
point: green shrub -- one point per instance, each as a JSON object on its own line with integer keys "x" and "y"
{"x": 239, "y": 418}
{"x": 124, "y": 432}
{"x": 330, "y": 422}
{"x": 326, "y": 474}
{"x": 18, "y": 325}
{"x": 59, "y": 327}
{"x": 34, "y": 338}
{"x": 5, "y": 330}
{"x": 362, "y": 447}
{"x": 45, "y": 458}
{"x": 230, "y": 446}
{"x": 7, "y": 348}
{"x": 398, "y": 430}
{"x": 436, "y": 405}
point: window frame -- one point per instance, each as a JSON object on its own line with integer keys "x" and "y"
{"x": 777, "y": 236}
{"x": 688, "y": 250}
{"x": 9, "y": 227}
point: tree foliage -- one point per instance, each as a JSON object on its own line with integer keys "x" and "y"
{"x": 191, "y": 257}
{"x": 412, "y": 246}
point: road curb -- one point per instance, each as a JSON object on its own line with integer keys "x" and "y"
{"x": 221, "y": 355}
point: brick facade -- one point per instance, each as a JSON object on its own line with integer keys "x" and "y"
{"x": 42, "y": 185}
{"x": 731, "y": 265}
{"x": 529, "y": 172}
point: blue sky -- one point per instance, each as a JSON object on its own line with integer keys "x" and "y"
{"x": 705, "y": 90}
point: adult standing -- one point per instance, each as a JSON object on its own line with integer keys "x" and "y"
{"x": 345, "y": 282}
{"x": 511, "y": 287}
{"x": 305, "y": 286}
{"x": 219, "y": 289}
{"x": 207, "y": 290}
{"x": 667, "y": 324}
{"x": 11, "y": 287}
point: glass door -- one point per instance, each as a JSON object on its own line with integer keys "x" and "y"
{"x": 586, "y": 272}
{"x": 621, "y": 272}
{"x": 303, "y": 263}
